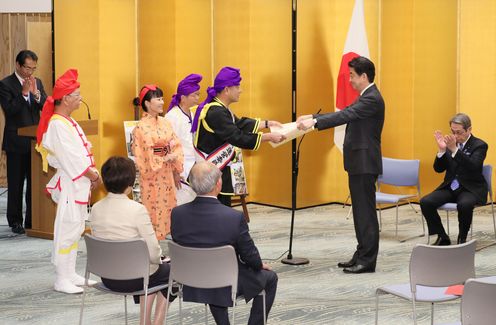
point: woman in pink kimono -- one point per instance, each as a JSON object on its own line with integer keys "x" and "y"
{"x": 159, "y": 158}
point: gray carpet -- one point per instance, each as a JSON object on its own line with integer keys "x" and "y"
{"x": 317, "y": 293}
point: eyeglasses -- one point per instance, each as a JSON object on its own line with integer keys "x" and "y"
{"x": 458, "y": 132}
{"x": 29, "y": 68}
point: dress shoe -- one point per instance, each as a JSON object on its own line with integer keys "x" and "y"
{"x": 350, "y": 263}
{"x": 18, "y": 229}
{"x": 442, "y": 241}
{"x": 359, "y": 268}
{"x": 461, "y": 239}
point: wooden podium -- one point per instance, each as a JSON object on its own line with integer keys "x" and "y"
{"x": 43, "y": 208}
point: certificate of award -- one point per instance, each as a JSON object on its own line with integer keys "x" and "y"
{"x": 290, "y": 131}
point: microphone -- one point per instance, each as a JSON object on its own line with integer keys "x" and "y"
{"x": 87, "y": 109}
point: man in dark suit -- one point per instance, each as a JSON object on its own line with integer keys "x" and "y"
{"x": 461, "y": 155}
{"x": 362, "y": 158}
{"x": 205, "y": 222}
{"x": 22, "y": 97}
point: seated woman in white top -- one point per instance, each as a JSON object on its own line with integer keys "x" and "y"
{"x": 116, "y": 217}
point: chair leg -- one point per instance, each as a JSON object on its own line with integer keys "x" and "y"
{"x": 346, "y": 201}
{"x": 447, "y": 221}
{"x": 82, "y": 307}
{"x": 432, "y": 313}
{"x": 380, "y": 219}
{"x": 397, "y": 221}
{"x": 125, "y": 308}
{"x": 423, "y": 224}
{"x": 411, "y": 206}
{"x": 414, "y": 312}
{"x": 349, "y": 212}
{"x": 180, "y": 310}
{"x": 264, "y": 308}
{"x": 494, "y": 222}
{"x": 376, "y": 307}
{"x": 233, "y": 307}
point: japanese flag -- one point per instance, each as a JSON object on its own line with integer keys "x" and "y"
{"x": 356, "y": 45}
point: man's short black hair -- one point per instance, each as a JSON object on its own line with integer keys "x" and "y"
{"x": 118, "y": 173}
{"x": 363, "y": 65}
{"x": 26, "y": 54}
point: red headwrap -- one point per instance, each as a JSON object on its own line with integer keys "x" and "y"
{"x": 65, "y": 85}
{"x": 145, "y": 90}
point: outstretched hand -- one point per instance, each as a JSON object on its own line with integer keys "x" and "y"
{"x": 305, "y": 123}
{"x": 274, "y": 124}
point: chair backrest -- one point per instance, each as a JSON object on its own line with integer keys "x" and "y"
{"x": 487, "y": 172}
{"x": 204, "y": 268}
{"x": 441, "y": 266}
{"x": 117, "y": 259}
{"x": 478, "y": 303}
{"x": 399, "y": 172}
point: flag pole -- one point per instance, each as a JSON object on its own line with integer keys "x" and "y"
{"x": 294, "y": 149}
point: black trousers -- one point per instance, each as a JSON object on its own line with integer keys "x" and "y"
{"x": 362, "y": 191}
{"x": 18, "y": 170}
{"x": 465, "y": 202}
{"x": 161, "y": 276}
{"x": 221, "y": 315}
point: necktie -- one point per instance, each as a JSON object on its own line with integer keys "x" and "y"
{"x": 454, "y": 183}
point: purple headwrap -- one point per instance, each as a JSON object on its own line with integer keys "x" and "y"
{"x": 187, "y": 86}
{"x": 226, "y": 77}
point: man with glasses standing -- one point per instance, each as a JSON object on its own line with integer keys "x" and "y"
{"x": 21, "y": 96}
{"x": 461, "y": 155}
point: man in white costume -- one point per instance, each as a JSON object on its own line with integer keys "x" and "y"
{"x": 179, "y": 114}
{"x": 64, "y": 146}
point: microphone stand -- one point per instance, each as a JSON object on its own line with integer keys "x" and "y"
{"x": 291, "y": 260}
{"x": 295, "y": 150}
{"x": 87, "y": 109}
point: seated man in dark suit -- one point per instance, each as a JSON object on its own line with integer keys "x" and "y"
{"x": 461, "y": 155}
{"x": 205, "y": 222}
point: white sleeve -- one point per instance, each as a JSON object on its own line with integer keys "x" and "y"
{"x": 69, "y": 149}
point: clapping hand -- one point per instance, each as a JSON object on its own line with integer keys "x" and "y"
{"x": 440, "y": 140}
{"x": 26, "y": 86}
{"x": 450, "y": 140}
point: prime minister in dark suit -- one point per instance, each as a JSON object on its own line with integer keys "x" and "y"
{"x": 362, "y": 158}
{"x": 22, "y": 97}
{"x": 205, "y": 222}
{"x": 461, "y": 155}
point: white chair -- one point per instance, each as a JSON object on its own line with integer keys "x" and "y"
{"x": 477, "y": 307}
{"x": 204, "y": 268}
{"x": 487, "y": 171}
{"x": 118, "y": 260}
{"x": 432, "y": 270}
{"x": 399, "y": 173}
